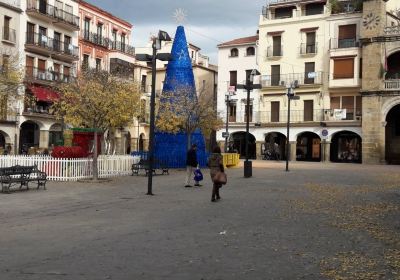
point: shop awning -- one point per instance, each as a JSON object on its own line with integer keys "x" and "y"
{"x": 44, "y": 94}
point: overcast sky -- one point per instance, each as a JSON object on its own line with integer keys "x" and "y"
{"x": 209, "y": 22}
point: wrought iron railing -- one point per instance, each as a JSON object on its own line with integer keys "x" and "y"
{"x": 42, "y": 7}
{"x": 307, "y": 78}
{"x": 119, "y": 46}
{"x": 300, "y": 116}
{"x": 336, "y": 43}
{"x": 274, "y": 51}
{"x": 36, "y": 74}
{"x": 96, "y": 39}
{"x": 308, "y": 48}
{"x": 9, "y": 34}
{"x": 51, "y": 44}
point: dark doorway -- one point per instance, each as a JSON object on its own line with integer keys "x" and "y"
{"x": 274, "y": 146}
{"x": 346, "y": 147}
{"x": 393, "y": 66}
{"x": 2, "y": 141}
{"x": 393, "y": 136}
{"x": 308, "y": 147}
{"x": 29, "y": 136}
{"x": 141, "y": 143}
{"x": 128, "y": 143}
{"x": 237, "y": 142}
{"x": 56, "y": 135}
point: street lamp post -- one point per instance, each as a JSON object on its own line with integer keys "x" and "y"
{"x": 227, "y": 121}
{"x": 156, "y": 45}
{"x": 291, "y": 96}
{"x": 249, "y": 86}
{"x": 227, "y": 100}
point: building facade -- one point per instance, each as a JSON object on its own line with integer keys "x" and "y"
{"x": 49, "y": 44}
{"x": 105, "y": 43}
{"x": 10, "y": 16}
{"x": 236, "y": 60}
{"x": 314, "y": 47}
{"x": 380, "y": 41}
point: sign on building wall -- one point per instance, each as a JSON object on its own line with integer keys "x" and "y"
{"x": 339, "y": 114}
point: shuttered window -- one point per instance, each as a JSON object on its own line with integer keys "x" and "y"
{"x": 233, "y": 78}
{"x": 308, "y": 110}
{"x": 347, "y": 31}
{"x": 343, "y": 68}
{"x": 274, "y": 111}
{"x": 41, "y": 65}
{"x": 335, "y": 103}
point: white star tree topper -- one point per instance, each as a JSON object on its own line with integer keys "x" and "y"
{"x": 180, "y": 16}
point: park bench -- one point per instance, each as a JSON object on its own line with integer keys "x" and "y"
{"x": 21, "y": 175}
{"x": 144, "y": 165}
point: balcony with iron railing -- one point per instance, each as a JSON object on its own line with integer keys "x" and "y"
{"x": 336, "y": 43}
{"x": 121, "y": 47}
{"x": 9, "y": 35}
{"x": 299, "y": 116}
{"x": 275, "y": 51}
{"x": 293, "y": 9}
{"x": 308, "y": 49}
{"x": 96, "y": 39}
{"x": 41, "y": 9}
{"x": 43, "y": 43}
{"x": 38, "y": 109}
{"x": 65, "y": 50}
{"x": 317, "y": 115}
{"x": 303, "y": 79}
{"x": 38, "y": 42}
{"x": 66, "y": 19}
{"x": 34, "y": 74}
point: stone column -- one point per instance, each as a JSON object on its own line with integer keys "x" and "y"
{"x": 258, "y": 149}
{"x": 382, "y": 143}
{"x": 221, "y": 144}
{"x": 326, "y": 151}
{"x": 119, "y": 147}
{"x": 44, "y": 139}
{"x": 146, "y": 144}
{"x": 292, "y": 150}
{"x": 371, "y": 130}
{"x": 134, "y": 144}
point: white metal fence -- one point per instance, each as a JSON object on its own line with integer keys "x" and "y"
{"x": 62, "y": 169}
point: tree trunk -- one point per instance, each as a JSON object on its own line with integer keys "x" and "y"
{"x": 188, "y": 139}
{"x": 95, "y": 167}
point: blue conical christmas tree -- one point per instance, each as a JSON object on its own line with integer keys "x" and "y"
{"x": 179, "y": 74}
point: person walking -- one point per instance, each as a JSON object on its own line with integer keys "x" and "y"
{"x": 215, "y": 162}
{"x": 191, "y": 164}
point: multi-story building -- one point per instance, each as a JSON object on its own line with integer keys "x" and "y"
{"x": 380, "y": 41}
{"x": 105, "y": 43}
{"x": 236, "y": 59}
{"x": 10, "y": 14}
{"x": 315, "y": 46}
{"x": 49, "y": 43}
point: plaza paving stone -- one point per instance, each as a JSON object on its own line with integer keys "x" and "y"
{"x": 318, "y": 221}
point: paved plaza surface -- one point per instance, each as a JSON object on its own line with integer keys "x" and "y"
{"x": 318, "y": 221}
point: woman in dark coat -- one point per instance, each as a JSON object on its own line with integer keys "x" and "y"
{"x": 215, "y": 162}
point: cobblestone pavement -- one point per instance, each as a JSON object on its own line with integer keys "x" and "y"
{"x": 318, "y": 221}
